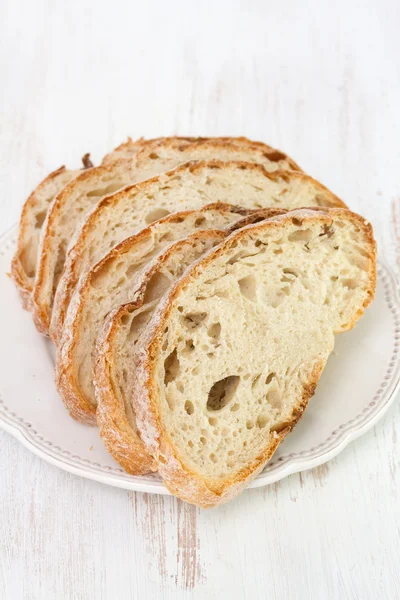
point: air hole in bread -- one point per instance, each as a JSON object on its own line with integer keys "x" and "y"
{"x": 235, "y": 258}
{"x": 156, "y": 214}
{"x": 262, "y": 421}
{"x": 193, "y": 320}
{"x": 125, "y": 319}
{"x": 278, "y": 251}
{"x": 279, "y": 427}
{"x": 171, "y": 399}
{"x": 301, "y": 235}
{"x": 39, "y": 219}
{"x": 248, "y": 287}
{"x": 352, "y": 284}
{"x": 171, "y": 367}
{"x": 213, "y": 422}
{"x": 203, "y": 440}
{"x": 153, "y": 155}
{"x": 157, "y": 285}
{"x": 189, "y": 345}
{"x": 62, "y": 252}
{"x": 327, "y": 231}
{"x": 131, "y": 270}
{"x": 222, "y": 392}
{"x": 138, "y": 322}
{"x": 274, "y": 156}
{"x": 235, "y": 407}
{"x": 277, "y": 299}
{"x": 292, "y": 272}
{"x": 249, "y": 424}
{"x": 125, "y": 375}
{"x": 189, "y": 407}
{"x": 255, "y": 381}
{"x": 213, "y": 458}
{"x": 109, "y": 189}
{"x": 214, "y": 331}
{"x": 199, "y": 221}
{"x": 270, "y": 378}
{"x": 274, "y": 397}
{"x": 167, "y": 237}
{"x": 297, "y": 222}
{"x": 361, "y": 250}
{"x": 222, "y": 294}
{"x": 360, "y": 262}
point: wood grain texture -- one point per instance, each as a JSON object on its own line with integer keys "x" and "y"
{"x": 321, "y": 81}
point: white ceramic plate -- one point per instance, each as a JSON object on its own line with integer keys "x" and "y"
{"x": 356, "y": 388}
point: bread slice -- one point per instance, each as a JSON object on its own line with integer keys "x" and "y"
{"x": 233, "y": 353}
{"x": 34, "y": 212}
{"x": 23, "y": 266}
{"x": 74, "y": 202}
{"x": 189, "y": 186}
{"x": 109, "y": 284}
{"x": 113, "y": 364}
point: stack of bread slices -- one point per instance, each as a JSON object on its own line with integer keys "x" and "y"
{"x": 193, "y": 288}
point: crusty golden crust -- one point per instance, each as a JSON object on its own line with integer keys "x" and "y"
{"x": 71, "y": 271}
{"x": 132, "y": 147}
{"x": 119, "y": 438}
{"x": 180, "y": 479}
{"x": 18, "y": 272}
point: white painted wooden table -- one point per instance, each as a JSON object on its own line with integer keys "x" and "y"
{"x": 319, "y": 79}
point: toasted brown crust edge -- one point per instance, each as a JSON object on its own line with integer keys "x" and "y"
{"x": 18, "y": 273}
{"x": 179, "y": 479}
{"x": 242, "y": 140}
{"x": 115, "y": 431}
{"x": 69, "y": 282}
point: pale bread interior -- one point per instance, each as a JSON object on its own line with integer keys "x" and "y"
{"x": 114, "y": 360}
{"x": 245, "y": 338}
